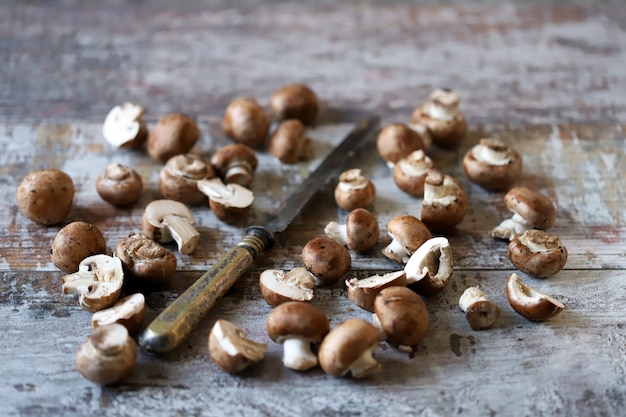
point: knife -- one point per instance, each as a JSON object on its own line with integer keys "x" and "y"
{"x": 177, "y": 321}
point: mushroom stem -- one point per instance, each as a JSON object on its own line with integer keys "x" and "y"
{"x": 492, "y": 152}
{"x": 471, "y": 296}
{"x": 508, "y": 228}
{"x": 439, "y": 191}
{"x": 394, "y": 250}
{"x": 337, "y": 231}
{"x": 365, "y": 365}
{"x": 238, "y": 172}
{"x": 183, "y": 233}
{"x": 297, "y": 354}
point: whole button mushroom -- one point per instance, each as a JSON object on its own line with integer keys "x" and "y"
{"x": 530, "y": 208}
{"x": 492, "y": 165}
{"x": 360, "y": 232}
{"x": 445, "y": 202}
{"x": 178, "y": 179}
{"x": 289, "y": 143}
{"x": 231, "y": 350}
{"x": 297, "y": 325}
{"x": 446, "y": 124}
{"x": 45, "y": 196}
{"x": 396, "y": 141}
{"x": 429, "y": 269}
{"x": 174, "y": 134}
{"x": 407, "y": 234}
{"x": 354, "y": 190}
{"x": 235, "y": 164}
{"x": 278, "y": 286}
{"x": 128, "y": 311}
{"x": 108, "y": 355}
{"x": 75, "y": 242}
{"x": 530, "y": 303}
{"x": 167, "y": 220}
{"x": 145, "y": 260}
{"x": 326, "y": 258}
{"x": 409, "y": 173}
{"x": 480, "y": 313}
{"x": 349, "y": 350}
{"x": 119, "y": 185}
{"x": 245, "y": 121}
{"x": 229, "y": 202}
{"x": 363, "y": 292}
{"x": 537, "y": 253}
{"x": 295, "y": 101}
{"x": 124, "y": 126}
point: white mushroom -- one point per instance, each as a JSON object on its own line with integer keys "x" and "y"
{"x": 123, "y": 126}
{"x": 167, "y": 220}
{"x": 98, "y": 281}
{"x": 429, "y": 269}
{"x": 228, "y": 201}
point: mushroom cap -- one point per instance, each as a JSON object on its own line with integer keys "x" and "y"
{"x": 402, "y": 315}
{"x": 119, "y": 185}
{"x": 537, "y": 253}
{"x": 363, "y": 292}
{"x": 145, "y": 260}
{"x": 45, "y": 196}
{"x": 174, "y": 134}
{"x": 295, "y": 101}
{"x": 345, "y": 344}
{"x": 75, "y": 242}
{"x": 362, "y": 230}
{"x": 235, "y": 154}
{"x": 530, "y": 303}
{"x": 396, "y": 141}
{"x": 429, "y": 269}
{"x": 289, "y": 142}
{"x": 245, "y": 121}
{"x": 409, "y": 173}
{"x": 231, "y": 350}
{"x": 492, "y": 165}
{"x": 354, "y": 190}
{"x": 178, "y": 179}
{"x": 533, "y": 206}
{"x": 297, "y": 319}
{"x": 445, "y": 202}
{"x": 128, "y": 311}
{"x": 278, "y": 286}
{"x": 326, "y": 258}
{"x": 409, "y": 231}
{"x": 482, "y": 314}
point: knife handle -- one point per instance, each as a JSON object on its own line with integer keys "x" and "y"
{"x": 177, "y": 321}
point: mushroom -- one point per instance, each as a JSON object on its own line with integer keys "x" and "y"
{"x": 296, "y": 325}
{"x": 98, "y": 281}
{"x": 235, "y": 164}
{"x": 529, "y": 302}
{"x": 360, "y": 231}
{"x": 75, "y": 242}
{"x": 174, "y": 134}
{"x": 229, "y": 202}
{"x": 401, "y": 317}
{"x": 145, "y": 260}
{"x": 128, "y": 311}
{"x": 409, "y": 173}
{"x": 278, "y": 286}
{"x": 492, "y": 165}
{"x": 45, "y": 196}
{"x": 167, "y": 220}
{"x": 429, "y": 269}
{"x": 349, "y": 349}
{"x": 480, "y": 312}
{"x": 537, "y": 253}
{"x": 396, "y": 141}
{"x": 440, "y": 114}
{"x": 289, "y": 142}
{"x": 295, "y": 101}
{"x": 354, "y": 190}
{"x": 362, "y": 292}
{"x": 178, "y": 179}
{"x": 326, "y": 258}
{"x": 530, "y": 209}
{"x": 407, "y": 234}
{"x": 445, "y": 202}
{"x": 119, "y": 185}
{"x": 108, "y": 355}
{"x": 245, "y": 121}
{"x": 124, "y": 126}
{"x": 231, "y": 350}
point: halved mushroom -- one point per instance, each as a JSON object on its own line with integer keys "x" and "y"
{"x": 289, "y": 142}
{"x": 537, "y": 253}
{"x": 235, "y": 164}
{"x": 480, "y": 312}
{"x": 360, "y": 231}
{"x": 231, "y": 350}
{"x": 445, "y": 202}
{"x": 429, "y": 269}
{"x": 246, "y": 121}
{"x": 167, "y": 220}
{"x": 396, "y": 141}
{"x": 128, "y": 311}
{"x": 492, "y": 165}
{"x": 119, "y": 185}
{"x": 145, "y": 260}
{"x": 408, "y": 233}
{"x": 178, "y": 179}
{"x": 124, "y": 126}
{"x": 354, "y": 190}
{"x": 295, "y": 101}
{"x": 98, "y": 281}
{"x": 363, "y": 292}
{"x": 278, "y": 286}
{"x": 409, "y": 173}
{"x": 441, "y": 115}
{"x": 229, "y": 202}
{"x": 529, "y": 302}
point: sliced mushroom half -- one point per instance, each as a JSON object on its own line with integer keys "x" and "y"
{"x": 429, "y": 269}
{"x": 229, "y": 202}
{"x": 98, "y": 281}
{"x": 529, "y": 302}
{"x": 278, "y": 286}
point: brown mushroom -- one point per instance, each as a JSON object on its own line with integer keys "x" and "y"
{"x": 278, "y": 286}
{"x": 363, "y": 292}
{"x": 429, "y": 269}
{"x": 289, "y": 142}
{"x": 295, "y": 101}
{"x": 407, "y": 234}
{"x": 245, "y": 121}
{"x": 178, "y": 179}
{"x": 124, "y": 126}
{"x": 46, "y": 196}
{"x": 441, "y": 115}
{"x": 445, "y": 202}
{"x": 326, "y": 258}
{"x": 492, "y": 165}
{"x": 167, "y": 220}
{"x": 537, "y": 253}
{"x": 75, "y": 242}
{"x": 128, "y": 311}
{"x": 354, "y": 190}
{"x": 297, "y": 325}
{"x": 349, "y": 348}
{"x": 397, "y": 141}
{"x": 174, "y": 134}
{"x": 119, "y": 185}
{"x": 480, "y": 313}
{"x": 360, "y": 232}
{"x": 409, "y": 173}
{"x": 530, "y": 303}
{"x": 231, "y": 350}
{"x": 235, "y": 164}
{"x": 530, "y": 209}
{"x": 145, "y": 260}
{"x": 229, "y": 202}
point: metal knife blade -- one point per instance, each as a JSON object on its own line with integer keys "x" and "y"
{"x": 177, "y": 321}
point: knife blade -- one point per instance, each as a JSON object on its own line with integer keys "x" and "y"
{"x": 177, "y": 321}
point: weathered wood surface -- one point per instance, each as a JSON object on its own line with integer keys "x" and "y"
{"x": 547, "y": 79}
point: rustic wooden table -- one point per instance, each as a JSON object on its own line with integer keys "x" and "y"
{"x": 546, "y": 77}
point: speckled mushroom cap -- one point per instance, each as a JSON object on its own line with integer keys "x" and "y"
{"x": 409, "y": 231}
{"x": 492, "y": 165}
{"x": 402, "y": 315}
{"x": 534, "y": 207}
{"x": 297, "y": 318}
{"x": 246, "y": 121}
{"x": 362, "y": 230}
{"x": 396, "y": 141}
{"x": 45, "y": 196}
{"x": 326, "y": 258}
